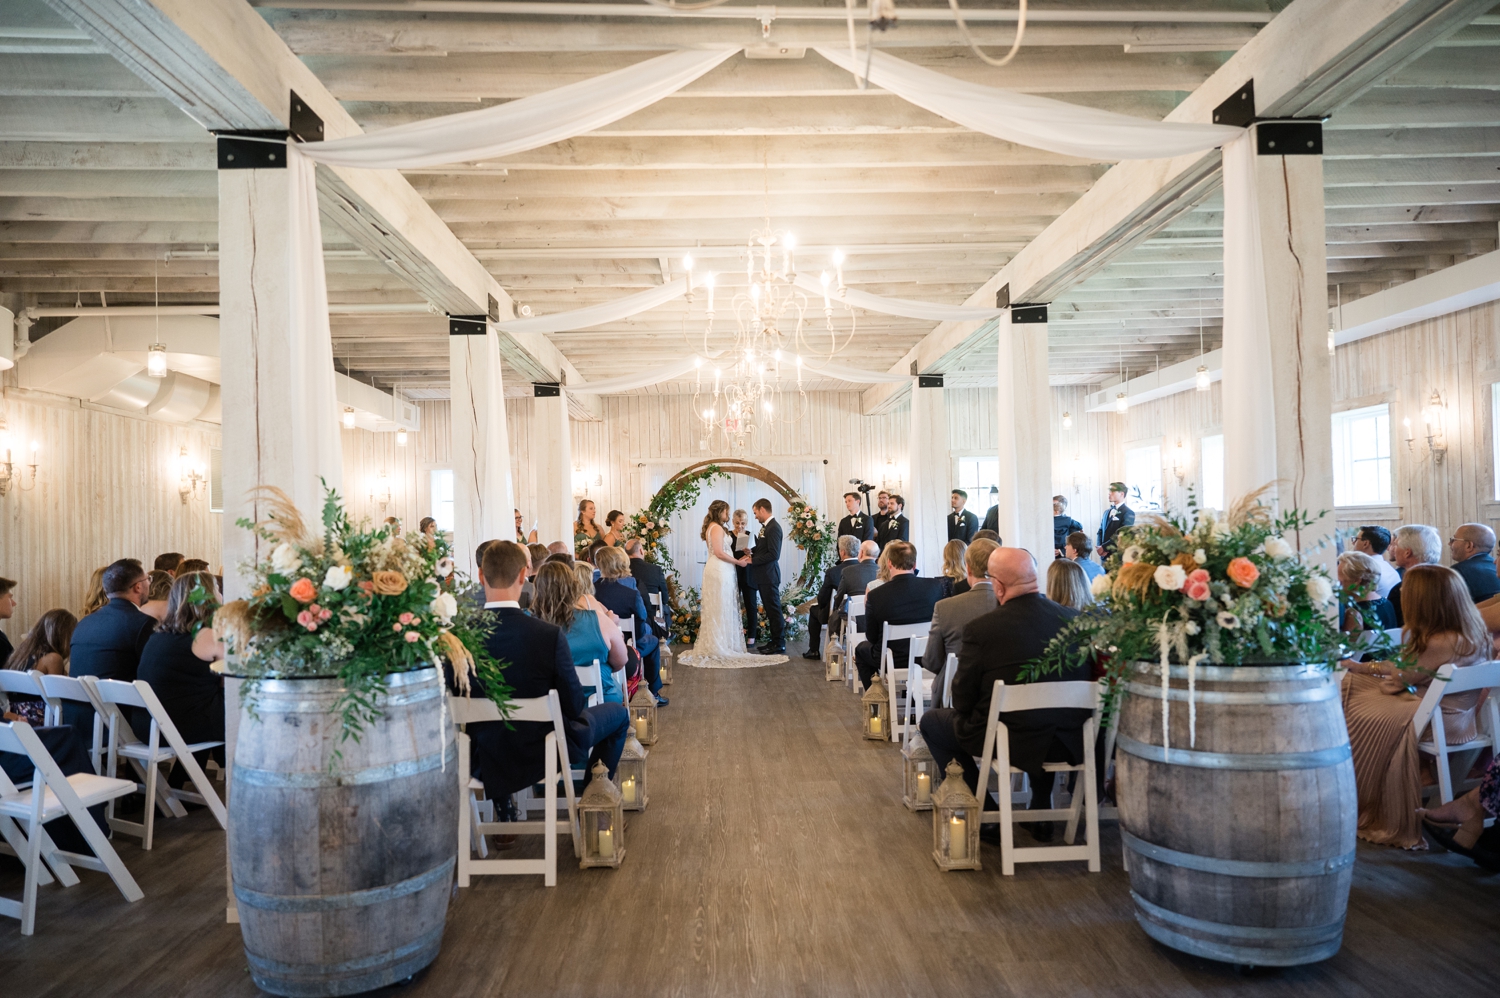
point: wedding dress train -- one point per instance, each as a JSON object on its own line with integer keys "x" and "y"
{"x": 721, "y": 636}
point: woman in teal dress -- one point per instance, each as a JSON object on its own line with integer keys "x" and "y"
{"x": 593, "y": 636}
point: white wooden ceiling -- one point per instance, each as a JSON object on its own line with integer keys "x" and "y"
{"x": 108, "y": 192}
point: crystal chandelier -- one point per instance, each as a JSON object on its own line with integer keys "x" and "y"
{"x": 758, "y": 381}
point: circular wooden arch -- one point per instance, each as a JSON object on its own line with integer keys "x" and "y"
{"x": 737, "y": 467}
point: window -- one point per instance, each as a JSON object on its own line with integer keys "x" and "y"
{"x": 442, "y": 498}
{"x": 980, "y": 478}
{"x": 1362, "y": 456}
{"x": 1211, "y": 465}
{"x": 1143, "y": 478}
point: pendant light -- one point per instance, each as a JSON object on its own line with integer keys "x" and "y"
{"x": 1203, "y": 381}
{"x": 156, "y": 353}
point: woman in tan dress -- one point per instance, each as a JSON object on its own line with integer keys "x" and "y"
{"x": 1381, "y": 698}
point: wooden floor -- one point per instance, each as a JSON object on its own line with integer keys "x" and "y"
{"x": 775, "y": 859}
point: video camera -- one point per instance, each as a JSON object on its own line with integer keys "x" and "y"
{"x": 861, "y": 486}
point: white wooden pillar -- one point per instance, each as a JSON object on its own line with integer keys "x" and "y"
{"x": 276, "y": 356}
{"x": 1025, "y": 435}
{"x": 931, "y": 476}
{"x": 552, "y": 457}
{"x": 1278, "y": 388}
{"x": 483, "y": 497}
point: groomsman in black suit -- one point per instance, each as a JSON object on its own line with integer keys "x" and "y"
{"x": 856, "y": 524}
{"x": 892, "y": 525}
{"x": 1116, "y": 517}
{"x": 765, "y": 575}
{"x": 961, "y": 522}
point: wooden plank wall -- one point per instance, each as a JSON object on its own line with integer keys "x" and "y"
{"x": 367, "y": 455}
{"x": 106, "y": 488}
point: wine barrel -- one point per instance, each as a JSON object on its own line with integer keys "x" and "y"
{"x": 1240, "y": 846}
{"x": 342, "y": 868}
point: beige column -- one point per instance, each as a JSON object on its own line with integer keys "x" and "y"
{"x": 1278, "y": 386}
{"x": 931, "y": 476}
{"x": 483, "y": 498}
{"x": 552, "y": 455}
{"x": 1025, "y": 448}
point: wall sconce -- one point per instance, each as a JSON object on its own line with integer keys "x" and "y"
{"x": 1179, "y": 462}
{"x": 190, "y": 477}
{"x": 8, "y": 475}
{"x": 1067, "y": 420}
{"x": 1432, "y": 416}
{"x": 890, "y": 479}
{"x": 380, "y": 491}
{"x": 348, "y": 417}
{"x": 1078, "y": 475}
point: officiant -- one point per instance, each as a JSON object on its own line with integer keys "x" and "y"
{"x": 856, "y": 523}
{"x": 765, "y": 577}
{"x": 892, "y": 525}
{"x": 742, "y": 540}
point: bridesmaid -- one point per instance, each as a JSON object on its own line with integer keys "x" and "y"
{"x": 614, "y": 529}
{"x": 585, "y": 530}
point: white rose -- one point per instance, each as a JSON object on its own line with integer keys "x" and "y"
{"x": 1191, "y": 627}
{"x": 285, "y": 559}
{"x": 1100, "y": 585}
{"x": 1200, "y": 556}
{"x": 1132, "y": 554}
{"x": 1170, "y": 577}
{"x": 444, "y": 606}
{"x": 1278, "y": 548}
{"x": 1319, "y": 589}
{"x": 337, "y": 577}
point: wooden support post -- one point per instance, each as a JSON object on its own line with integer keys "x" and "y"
{"x": 1025, "y": 451}
{"x": 483, "y": 498}
{"x": 930, "y": 477}
{"x": 552, "y": 458}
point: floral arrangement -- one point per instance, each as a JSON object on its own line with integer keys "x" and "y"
{"x": 793, "y": 624}
{"x": 817, "y": 539}
{"x": 356, "y": 603}
{"x": 687, "y": 612}
{"x": 1225, "y": 589}
{"x": 653, "y": 523}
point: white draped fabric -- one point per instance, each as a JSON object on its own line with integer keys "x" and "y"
{"x": 900, "y": 306}
{"x": 1029, "y": 120}
{"x": 1247, "y": 329}
{"x": 630, "y": 382}
{"x": 519, "y": 125}
{"x": 598, "y": 315}
{"x": 842, "y": 372}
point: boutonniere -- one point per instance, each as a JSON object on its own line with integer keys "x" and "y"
{"x": 762, "y": 532}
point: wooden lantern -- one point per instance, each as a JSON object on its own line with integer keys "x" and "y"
{"x": 632, "y": 774}
{"x": 666, "y": 664}
{"x": 955, "y": 823}
{"x": 602, "y": 815}
{"x": 833, "y": 662}
{"x": 918, "y": 774}
{"x": 643, "y": 715}
{"x": 877, "y": 708}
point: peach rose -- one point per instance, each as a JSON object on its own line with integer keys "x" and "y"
{"x": 303, "y": 590}
{"x": 1196, "y": 586}
{"x": 1243, "y": 573}
{"x": 388, "y": 583}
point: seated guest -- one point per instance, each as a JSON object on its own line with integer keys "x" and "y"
{"x": 616, "y": 590}
{"x": 169, "y": 563}
{"x": 954, "y": 579}
{"x": 1374, "y": 541}
{"x": 905, "y": 599}
{"x": 7, "y": 610}
{"x": 559, "y": 547}
{"x": 591, "y": 553}
{"x": 1472, "y": 547}
{"x": 537, "y": 554}
{"x": 987, "y": 535}
{"x": 614, "y": 529}
{"x": 995, "y": 646}
{"x": 1364, "y": 610}
{"x": 882, "y": 572}
{"x": 474, "y": 595}
{"x": 1458, "y": 825}
{"x": 93, "y": 596}
{"x": 1062, "y": 525}
{"x": 44, "y": 648}
{"x": 107, "y": 644}
{"x": 1067, "y": 584}
{"x": 536, "y": 658}
{"x": 853, "y": 581}
{"x": 558, "y": 558}
{"x": 592, "y": 637}
{"x": 158, "y": 587}
{"x": 176, "y": 663}
{"x": 817, "y": 616}
{"x": 950, "y": 616}
{"x": 192, "y": 565}
{"x": 1381, "y": 698}
{"x": 1078, "y": 550}
{"x": 649, "y": 579}
{"x": 1415, "y": 544}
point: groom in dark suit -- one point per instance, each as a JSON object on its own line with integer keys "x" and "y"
{"x": 765, "y": 575}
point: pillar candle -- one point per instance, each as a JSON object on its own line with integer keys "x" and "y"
{"x": 958, "y": 838}
{"x": 627, "y": 789}
{"x": 642, "y": 728}
{"x": 607, "y": 843}
{"x": 875, "y": 725}
{"x": 924, "y": 788}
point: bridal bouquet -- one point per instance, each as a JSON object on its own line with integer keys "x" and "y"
{"x": 1205, "y": 588}
{"x": 353, "y": 602}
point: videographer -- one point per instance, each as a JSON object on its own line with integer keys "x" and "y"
{"x": 857, "y": 523}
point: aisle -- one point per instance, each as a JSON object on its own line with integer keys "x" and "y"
{"x": 774, "y": 859}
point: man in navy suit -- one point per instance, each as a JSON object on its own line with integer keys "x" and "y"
{"x": 535, "y": 658}
{"x": 1116, "y": 518}
{"x": 817, "y": 616}
{"x": 107, "y": 644}
{"x": 765, "y": 575}
{"x": 1473, "y": 547}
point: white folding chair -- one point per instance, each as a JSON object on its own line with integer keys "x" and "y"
{"x": 60, "y": 689}
{"x": 627, "y": 625}
{"x": 116, "y": 695}
{"x": 659, "y": 613}
{"x": 621, "y": 685}
{"x": 996, "y": 759}
{"x": 592, "y": 681}
{"x": 918, "y": 695}
{"x": 53, "y": 795}
{"x": 22, "y": 682}
{"x": 949, "y": 668}
{"x": 896, "y": 679}
{"x": 852, "y": 637}
{"x": 1429, "y": 721}
{"x": 545, "y": 709}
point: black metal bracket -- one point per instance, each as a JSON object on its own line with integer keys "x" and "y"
{"x": 1239, "y": 109}
{"x": 1024, "y": 313}
{"x": 929, "y": 381}
{"x": 467, "y": 325}
{"x": 1002, "y": 297}
{"x": 545, "y": 390}
{"x": 256, "y": 149}
{"x": 494, "y": 309}
{"x": 306, "y": 126}
{"x": 1293, "y": 137}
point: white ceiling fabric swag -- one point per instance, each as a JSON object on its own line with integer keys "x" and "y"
{"x": 598, "y": 315}
{"x": 1038, "y": 122}
{"x": 900, "y": 306}
{"x": 519, "y": 125}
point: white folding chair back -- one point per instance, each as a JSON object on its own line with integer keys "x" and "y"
{"x": 896, "y": 679}
{"x": 1428, "y": 721}
{"x": 621, "y": 685}
{"x": 852, "y": 637}
{"x": 21, "y": 681}
{"x": 659, "y": 613}
{"x": 23, "y": 813}
{"x": 591, "y": 679}
{"x": 59, "y": 689}
{"x": 949, "y": 668}
{"x": 151, "y": 754}
{"x": 996, "y": 760}
{"x": 539, "y": 709}
{"x": 627, "y": 625}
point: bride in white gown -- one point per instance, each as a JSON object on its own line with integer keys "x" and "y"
{"x": 721, "y": 637}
